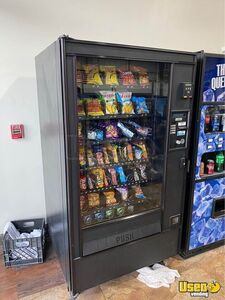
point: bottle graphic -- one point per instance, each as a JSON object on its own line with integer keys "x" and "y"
{"x": 216, "y": 121}
{"x": 223, "y": 123}
{"x": 220, "y": 162}
{"x": 202, "y": 169}
{"x": 207, "y": 121}
{"x": 210, "y": 166}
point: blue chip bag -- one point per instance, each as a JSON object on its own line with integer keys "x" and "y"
{"x": 141, "y": 107}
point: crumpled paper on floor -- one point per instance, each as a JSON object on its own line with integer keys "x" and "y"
{"x": 157, "y": 276}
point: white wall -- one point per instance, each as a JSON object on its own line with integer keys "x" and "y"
{"x": 27, "y": 27}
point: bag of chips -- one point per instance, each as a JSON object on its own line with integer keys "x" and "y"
{"x": 124, "y": 98}
{"x": 142, "y": 172}
{"x": 126, "y": 132}
{"x": 83, "y": 182}
{"x": 93, "y": 200}
{"x": 110, "y": 75}
{"x": 142, "y": 75}
{"x": 130, "y": 152}
{"x": 94, "y": 107}
{"x": 99, "y": 178}
{"x": 122, "y": 151}
{"x": 80, "y": 108}
{"x": 110, "y": 198}
{"x": 113, "y": 176}
{"x": 79, "y": 129}
{"x": 112, "y": 150}
{"x": 120, "y": 172}
{"x": 111, "y": 131}
{"x": 138, "y": 192}
{"x": 144, "y": 131}
{"x": 83, "y": 202}
{"x": 98, "y": 154}
{"x": 93, "y": 75}
{"x": 140, "y": 151}
{"x": 90, "y": 182}
{"x": 82, "y": 157}
{"x": 140, "y": 104}
{"x": 90, "y": 158}
{"x": 123, "y": 193}
{"x": 109, "y": 98}
{"x": 127, "y": 78}
{"x": 106, "y": 156}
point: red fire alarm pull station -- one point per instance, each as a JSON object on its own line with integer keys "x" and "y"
{"x": 17, "y": 131}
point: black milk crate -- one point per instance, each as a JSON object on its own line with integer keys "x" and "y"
{"x": 28, "y": 250}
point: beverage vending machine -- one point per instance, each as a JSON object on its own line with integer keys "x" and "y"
{"x": 115, "y": 132}
{"x": 204, "y": 224}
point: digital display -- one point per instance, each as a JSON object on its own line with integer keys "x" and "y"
{"x": 181, "y": 133}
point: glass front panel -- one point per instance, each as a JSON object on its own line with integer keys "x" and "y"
{"x": 122, "y": 113}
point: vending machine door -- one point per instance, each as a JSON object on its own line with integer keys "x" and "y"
{"x": 122, "y": 111}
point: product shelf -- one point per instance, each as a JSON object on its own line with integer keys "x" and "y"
{"x": 106, "y": 141}
{"x": 215, "y": 175}
{"x": 217, "y": 103}
{"x": 126, "y": 163}
{"x": 111, "y": 187}
{"x": 135, "y": 89}
{"x": 116, "y": 116}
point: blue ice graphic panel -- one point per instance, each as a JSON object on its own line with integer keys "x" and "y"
{"x": 208, "y": 142}
{"x": 205, "y": 229}
{"x": 214, "y": 79}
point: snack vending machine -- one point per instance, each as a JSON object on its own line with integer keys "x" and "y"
{"x": 204, "y": 225}
{"x": 115, "y": 138}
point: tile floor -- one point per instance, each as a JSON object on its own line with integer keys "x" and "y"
{"x": 45, "y": 281}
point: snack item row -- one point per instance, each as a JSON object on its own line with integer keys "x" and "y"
{"x": 98, "y": 178}
{"x": 111, "y": 198}
{"x": 100, "y": 215}
{"x": 110, "y": 75}
{"x": 99, "y": 155}
{"x": 99, "y": 130}
{"x": 112, "y": 103}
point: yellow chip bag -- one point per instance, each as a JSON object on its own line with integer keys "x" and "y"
{"x": 93, "y": 76}
{"x": 124, "y": 98}
{"x": 110, "y": 75}
{"x": 109, "y": 98}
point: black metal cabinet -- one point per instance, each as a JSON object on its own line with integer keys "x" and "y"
{"x": 115, "y": 131}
